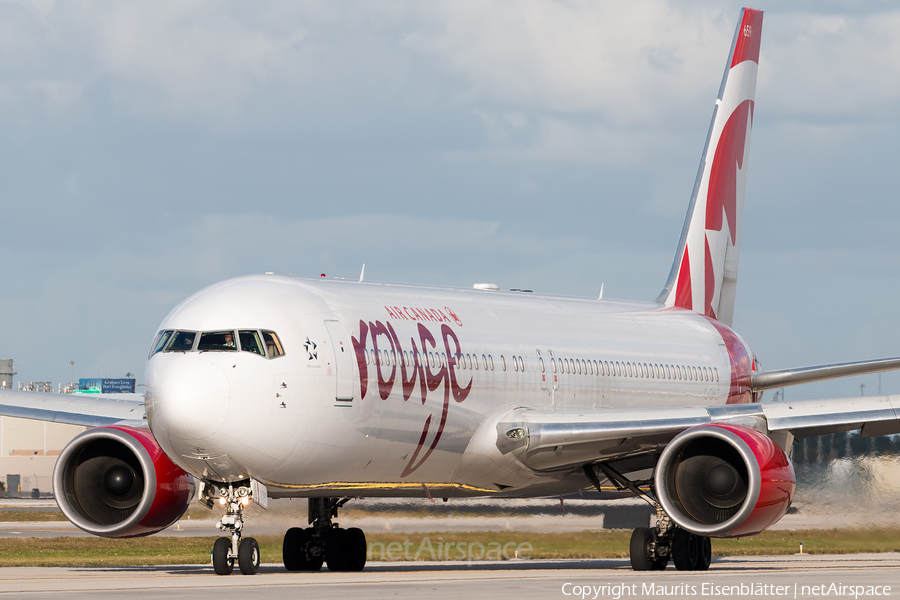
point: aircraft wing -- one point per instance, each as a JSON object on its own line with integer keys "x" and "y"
{"x": 544, "y": 439}
{"x": 74, "y": 409}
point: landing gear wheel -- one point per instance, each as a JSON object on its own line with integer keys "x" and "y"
{"x": 641, "y": 538}
{"x": 335, "y": 550}
{"x": 222, "y": 561}
{"x": 314, "y": 561}
{"x": 685, "y": 550}
{"x": 295, "y": 551}
{"x": 248, "y": 556}
{"x": 705, "y": 555}
{"x": 355, "y": 549}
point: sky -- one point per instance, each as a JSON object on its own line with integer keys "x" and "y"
{"x": 149, "y": 149}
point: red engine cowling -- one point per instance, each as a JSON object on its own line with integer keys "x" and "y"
{"x": 722, "y": 480}
{"x": 116, "y": 482}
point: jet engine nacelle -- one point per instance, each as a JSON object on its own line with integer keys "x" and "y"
{"x": 115, "y": 481}
{"x": 723, "y": 480}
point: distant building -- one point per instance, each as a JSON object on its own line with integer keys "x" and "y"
{"x": 28, "y": 449}
{"x": 6, "y": 373}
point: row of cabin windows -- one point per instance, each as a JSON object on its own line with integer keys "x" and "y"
{"x": 570, "y": 366}
{"x": 630, "y": 369}
{"x": 439, "y": 359}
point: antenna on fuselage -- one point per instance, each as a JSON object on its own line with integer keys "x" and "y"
{"x": 362, "y": 273}
{"x": 601, "y": 292}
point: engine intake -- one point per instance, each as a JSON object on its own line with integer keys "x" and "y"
{"x": 722, "y": 480}
{"x": 116, "y": 482}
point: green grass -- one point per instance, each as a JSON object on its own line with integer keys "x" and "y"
{"x": 30, "y": 516}
{"x": 584, "y": 544}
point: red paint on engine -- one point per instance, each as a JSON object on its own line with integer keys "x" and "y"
{"x": 174, "y": 487}
{"x": 778, "y": 481}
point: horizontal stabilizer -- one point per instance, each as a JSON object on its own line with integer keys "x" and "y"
{"x": 768, "y": 380}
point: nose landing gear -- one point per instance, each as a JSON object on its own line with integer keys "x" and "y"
{"x": 228, "y": 549}
{"x": 324, "y": 542}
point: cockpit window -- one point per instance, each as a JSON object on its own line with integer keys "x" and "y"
{"x": 217, "y": 341}
{"x": 182, "y": 341}
{"x": 273, "y": 344}
{"x": 160, "y": 342}
{"x": 250, "y": 341}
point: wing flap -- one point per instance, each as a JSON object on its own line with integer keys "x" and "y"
{"x": 817, "y": 417}
{"x": 91, "y": 411}
{"x": 548, "y": 440}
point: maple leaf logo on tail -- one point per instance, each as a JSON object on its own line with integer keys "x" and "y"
{"x": 704, "y": 274}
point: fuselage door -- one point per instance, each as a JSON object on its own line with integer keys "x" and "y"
{"x": 553, "y": 371}
{"x": 543, "y": 369}
{"x": 343, "y": 361}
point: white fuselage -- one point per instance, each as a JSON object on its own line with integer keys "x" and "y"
{"x": 383, "y": 388}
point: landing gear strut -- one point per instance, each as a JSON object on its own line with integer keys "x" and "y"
{"x": 228, "y": 549}
{"x": 652, "y": 547}
{"x": 325, "y": 541}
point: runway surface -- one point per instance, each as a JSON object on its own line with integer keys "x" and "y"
{"x": 522, "y": 580}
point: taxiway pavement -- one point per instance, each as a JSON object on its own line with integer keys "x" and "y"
{"x": 784, "y": 576}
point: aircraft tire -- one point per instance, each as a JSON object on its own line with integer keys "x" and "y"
{"x": 295, "y": 551}
{"x": 223, "y": 564}
{"x": 685, "y": 550}
{"x": 704, "y": 556}
{"x": 248, "y": 556}
{"x": 355, "y": 549}
{"x": 336, "y": 545}
{"x": 641, "y": 538}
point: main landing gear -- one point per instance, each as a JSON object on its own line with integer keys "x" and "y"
{"x": 227, "y": 550}
{"x": 324, "y": 542}
{"x": 652, "y": 547}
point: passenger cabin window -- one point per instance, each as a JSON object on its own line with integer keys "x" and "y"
{"x": 217, "y": 341}
{"x": 251, "y": 342}
{"x": 274, "y": 348}
{"x": 182, "y": 341}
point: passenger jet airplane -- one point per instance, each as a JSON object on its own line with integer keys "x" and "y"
{"x": 283, "y": 387}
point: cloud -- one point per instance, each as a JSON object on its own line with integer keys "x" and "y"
{"x": 840, "y": 67}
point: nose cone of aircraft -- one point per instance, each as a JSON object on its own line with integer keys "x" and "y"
{"x": 187, "y": 398}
